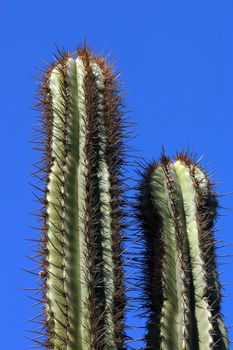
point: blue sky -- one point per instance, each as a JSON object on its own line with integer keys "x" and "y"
{"x": 176, "y": 62}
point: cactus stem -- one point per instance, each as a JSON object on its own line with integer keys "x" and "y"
{"x": 82, "y": 133}
{"x": 176, "y": 211}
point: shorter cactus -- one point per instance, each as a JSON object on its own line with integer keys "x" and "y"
{"x": 176, "y": 210}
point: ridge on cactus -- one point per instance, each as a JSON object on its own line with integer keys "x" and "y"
{"x": 176, "y": 209}
{"x": 82, "y": 134}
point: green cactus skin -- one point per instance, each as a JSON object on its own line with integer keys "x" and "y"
{"x": 176, "y": 209}
{"x": 82, "y": 132}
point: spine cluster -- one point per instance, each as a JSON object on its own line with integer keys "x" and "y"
{"x": 82, "y": 276}
{"x": 176, "y": 211}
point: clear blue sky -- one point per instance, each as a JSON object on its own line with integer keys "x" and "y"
{"x": 176, "y": 59}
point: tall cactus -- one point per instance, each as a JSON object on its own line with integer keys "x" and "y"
{"x": 176, "y": 209}
{"x": 82, "y": 132}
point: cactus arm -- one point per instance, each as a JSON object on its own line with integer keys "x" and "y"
{"x": 202, "y": 311}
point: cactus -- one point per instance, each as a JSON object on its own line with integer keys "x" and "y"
{"x": 83, "y": 211}
{"x": 82, "y": 133}
{"x": 176, "y": 209}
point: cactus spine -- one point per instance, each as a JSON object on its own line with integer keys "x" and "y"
{"x": 82, "y": 133}
{"x": 176, "y": 209}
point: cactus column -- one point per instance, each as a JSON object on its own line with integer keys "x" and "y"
{"x": 83, "y": 283}
{"x": 176, "y": 210}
